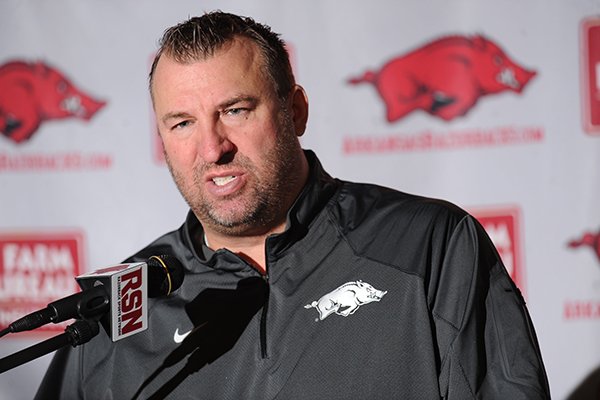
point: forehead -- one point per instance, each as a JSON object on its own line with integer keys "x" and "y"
{"x": 239, "y": 59}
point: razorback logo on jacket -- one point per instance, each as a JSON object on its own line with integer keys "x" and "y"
{"x": 31, "y": 93}
{"x": 346, "y": 299}
{"x": 445, "y": 77}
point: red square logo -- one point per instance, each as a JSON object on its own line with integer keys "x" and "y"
{"x": 590, "y": 74}
{"x": 36, "y": 269}
{"x": 503, "y": 226}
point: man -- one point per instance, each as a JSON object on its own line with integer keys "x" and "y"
{"x": 298, "y": 285}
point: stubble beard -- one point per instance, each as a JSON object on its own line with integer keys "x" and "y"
{"x": 263, "y": 204}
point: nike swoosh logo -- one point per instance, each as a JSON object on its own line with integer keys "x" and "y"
{"x": 178, "y": 338}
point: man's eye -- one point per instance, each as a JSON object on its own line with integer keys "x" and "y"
{"x": 235, "y": 111}
{"x": 181, "y": 124}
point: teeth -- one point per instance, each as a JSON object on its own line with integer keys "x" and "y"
{"x": 223, "y": 180}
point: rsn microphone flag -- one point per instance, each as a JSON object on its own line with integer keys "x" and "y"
{"x": 127, "y": 286}
{"x": 117, "y": 296}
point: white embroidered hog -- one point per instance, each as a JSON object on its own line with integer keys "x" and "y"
{"x": 346, "y": 299}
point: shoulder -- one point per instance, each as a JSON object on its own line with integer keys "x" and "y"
{"x": 394, "y": 227}
{"x": 358, "y": 204}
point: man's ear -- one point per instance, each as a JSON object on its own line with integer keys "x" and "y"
{"x": 299, "y": 109}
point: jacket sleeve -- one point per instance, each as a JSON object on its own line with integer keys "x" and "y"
{"x": 486, "y": 340}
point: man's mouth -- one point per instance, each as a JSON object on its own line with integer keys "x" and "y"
{"x": 223, "y": 180}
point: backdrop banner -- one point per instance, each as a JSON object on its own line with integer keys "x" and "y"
{"x": 515, "y": 140}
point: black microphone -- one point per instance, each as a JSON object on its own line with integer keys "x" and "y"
{"x": 116, "y": 295}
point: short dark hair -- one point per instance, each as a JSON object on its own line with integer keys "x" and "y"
{"x": 200, "y": 37}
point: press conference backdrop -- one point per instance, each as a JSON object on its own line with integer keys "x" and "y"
{"x": 514, "y": 139}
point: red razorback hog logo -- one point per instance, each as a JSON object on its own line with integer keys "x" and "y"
{"x": 445, "y": 77}
{"x": 31, "y": 93}
{"x": 588, "y": 239}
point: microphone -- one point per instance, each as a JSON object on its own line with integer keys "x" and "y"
{"x": 116, "y": 295}
{"x": 128, "y": 287}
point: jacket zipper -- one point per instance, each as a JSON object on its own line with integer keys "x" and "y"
{"x": 263, "y": 322}
{"x": 265, "y": 311}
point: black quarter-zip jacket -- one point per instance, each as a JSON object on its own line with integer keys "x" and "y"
{"x": 370, "y": 293}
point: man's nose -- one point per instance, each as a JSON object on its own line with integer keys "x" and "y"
{"x": 214, "y": 144}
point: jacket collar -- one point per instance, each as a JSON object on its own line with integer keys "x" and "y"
{"x": 319, "y": 188}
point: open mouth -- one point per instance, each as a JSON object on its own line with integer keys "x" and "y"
{"x": 223, "y": 180}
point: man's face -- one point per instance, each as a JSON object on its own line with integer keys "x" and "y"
{"x": 230, "y": 143}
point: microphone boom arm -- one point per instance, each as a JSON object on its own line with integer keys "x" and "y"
{"x": 79, "y": 332}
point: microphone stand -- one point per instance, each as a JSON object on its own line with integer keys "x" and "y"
{"x": 80, "y": 332}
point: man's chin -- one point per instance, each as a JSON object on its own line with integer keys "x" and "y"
{"x": 229, "y": 223}
{"x": 238, "y": 219}
{"x": 239, "y": 229}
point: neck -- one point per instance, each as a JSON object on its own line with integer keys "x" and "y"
{"x": 250, "y": 248}
{"x": 251, "y": 245}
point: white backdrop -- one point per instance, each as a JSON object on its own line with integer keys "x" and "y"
{"x": 77, "y": 193}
